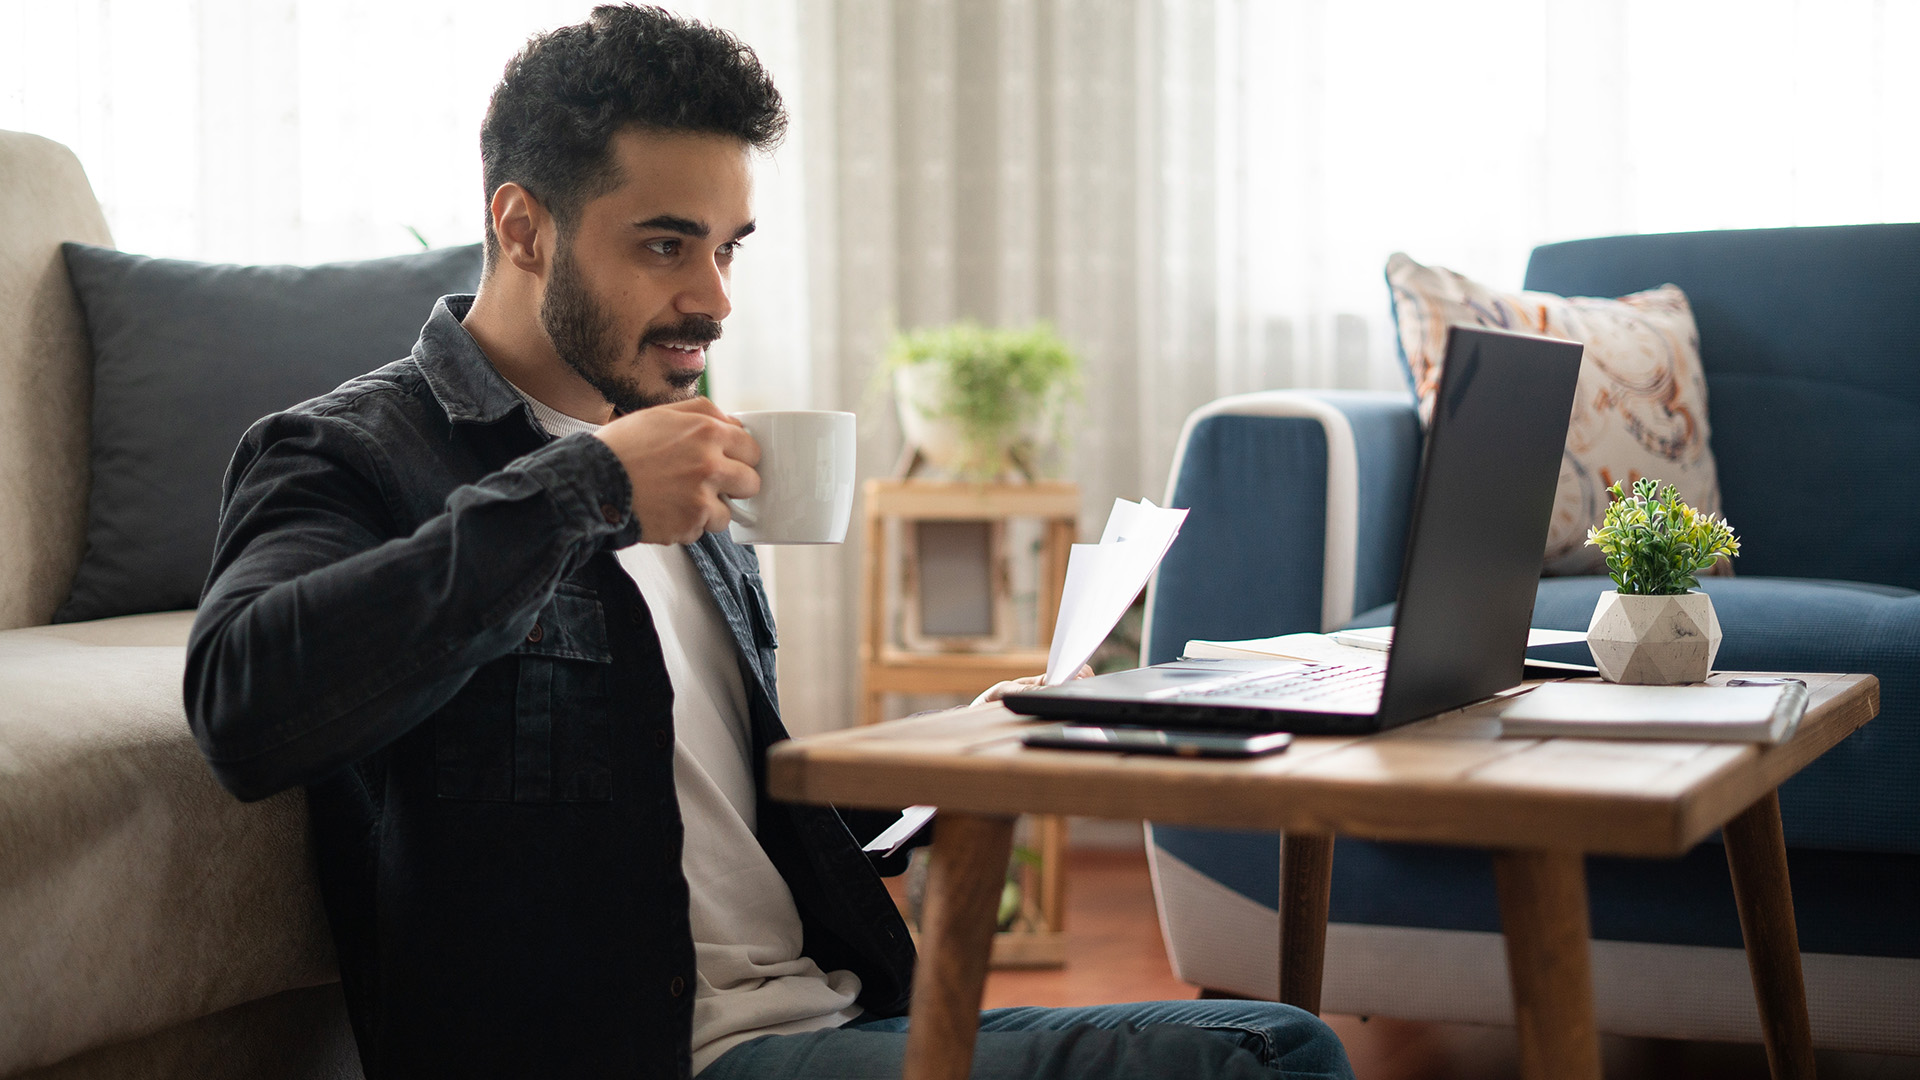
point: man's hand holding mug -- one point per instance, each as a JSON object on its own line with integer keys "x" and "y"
{"x": 790, "y": 472}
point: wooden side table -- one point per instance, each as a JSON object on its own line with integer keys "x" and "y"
{"x": 886, "y": 668}
{"x": 1541, "y": 806}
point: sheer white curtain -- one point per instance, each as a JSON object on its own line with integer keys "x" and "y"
{"x": 1466, "y": 134}
{"x": 1200, "y": 194}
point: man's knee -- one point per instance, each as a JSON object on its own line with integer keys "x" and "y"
{"x": 1296, "y": 1043}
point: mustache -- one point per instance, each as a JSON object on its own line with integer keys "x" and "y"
{"x": 692, "y": 330}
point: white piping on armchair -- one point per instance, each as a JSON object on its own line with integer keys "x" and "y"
{"x": 1343, "y": 492}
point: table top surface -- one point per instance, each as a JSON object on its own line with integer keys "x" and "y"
{"x": 1448, "y": 780}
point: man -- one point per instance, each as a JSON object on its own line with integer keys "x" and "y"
{"x": 479, "y": 604}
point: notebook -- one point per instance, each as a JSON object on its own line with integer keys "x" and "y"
{"x": 1597, "y": 710}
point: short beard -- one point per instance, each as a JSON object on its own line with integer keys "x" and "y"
{"x": 582, "y": 333}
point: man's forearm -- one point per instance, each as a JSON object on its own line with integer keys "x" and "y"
{"x": 319, "y": 642}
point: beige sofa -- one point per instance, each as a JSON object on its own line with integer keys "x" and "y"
{"x": 150, "y": 924}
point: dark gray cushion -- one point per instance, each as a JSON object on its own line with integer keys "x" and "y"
{"x": 186, "y": 356}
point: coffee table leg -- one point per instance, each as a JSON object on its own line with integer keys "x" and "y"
{"x": 1543, "y": 908}
{"x": 1757, "y": 855}
{"x": 969, "y": 868}
{"x": 1306, "y": 878}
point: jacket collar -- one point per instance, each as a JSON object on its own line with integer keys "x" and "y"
{"x": 463, "y": 380}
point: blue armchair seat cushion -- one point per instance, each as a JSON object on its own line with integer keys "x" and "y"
{"x": 1844, "y": 902}
{"x": 1863, "y": 795}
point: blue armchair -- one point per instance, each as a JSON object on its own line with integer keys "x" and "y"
{"x": 1299, "y": 508}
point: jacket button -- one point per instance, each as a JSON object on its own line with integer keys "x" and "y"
{"x": 637, "y": 614}
{"x": 610, "y": 512}
{"x": 536, "y": 633}
{"x": 661, "y": 739}
{"x": 677, "y": 987}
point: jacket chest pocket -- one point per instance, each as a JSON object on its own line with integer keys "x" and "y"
{"x": 534, "y": 725}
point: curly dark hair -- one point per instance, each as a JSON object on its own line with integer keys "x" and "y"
{"x": 550, "y": 123}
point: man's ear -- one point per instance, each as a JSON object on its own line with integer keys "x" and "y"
{"x": 524, "y": 228}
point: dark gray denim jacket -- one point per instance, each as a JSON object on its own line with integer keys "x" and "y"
{"x": 415, "y": 612}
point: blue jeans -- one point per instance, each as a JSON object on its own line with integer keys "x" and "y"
{"x": 1148, "y": 1040}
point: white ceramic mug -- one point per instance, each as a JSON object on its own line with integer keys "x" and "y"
{"x": 806, "y": 478}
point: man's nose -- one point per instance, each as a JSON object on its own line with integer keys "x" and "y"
{"x": 706, "y": 291}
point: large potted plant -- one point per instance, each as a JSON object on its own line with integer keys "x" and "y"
{"x": 1658, "y": 627}
{"x": 977, "y": 403}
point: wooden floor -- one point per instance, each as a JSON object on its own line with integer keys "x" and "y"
{"x": 1114, "y": 955}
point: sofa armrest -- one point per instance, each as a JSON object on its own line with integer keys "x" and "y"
{"x": 1299, "y": 503}
{"x": 46, "y": 375}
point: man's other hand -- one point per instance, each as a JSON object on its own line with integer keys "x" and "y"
{"x": 684, "y": 459}
{"x": 1002, "y": 689}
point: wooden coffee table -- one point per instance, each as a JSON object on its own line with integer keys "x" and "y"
{"x": 1540, "y": 805}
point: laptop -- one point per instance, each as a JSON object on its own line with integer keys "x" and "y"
{"x": 1473, "y": 555}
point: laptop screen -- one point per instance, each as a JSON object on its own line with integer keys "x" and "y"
{"x": 1479, "y": 529}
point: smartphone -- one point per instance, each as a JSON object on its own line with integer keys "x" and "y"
{"x": 1150, "y": 740}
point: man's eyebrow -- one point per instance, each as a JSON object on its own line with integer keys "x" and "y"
{"x": 688, "y": 227}
{"x": 685, "y": 226}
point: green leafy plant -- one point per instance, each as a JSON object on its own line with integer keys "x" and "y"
{"x": 1013, "y": 891}
{"x": 999, "y": 383}
{"x": 1654, "y": 543}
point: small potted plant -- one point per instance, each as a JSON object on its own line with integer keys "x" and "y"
{"x": 978, "y": 403}
{"x": 1658, "y": 628}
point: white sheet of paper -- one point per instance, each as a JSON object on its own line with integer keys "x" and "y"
{"x": 1103, "y": 579}
{"x": 1381, "y": 637}
{"x": 1086, "y": 569}
{"x": 910, "y": 821}
{"x": 1313, "y": 648}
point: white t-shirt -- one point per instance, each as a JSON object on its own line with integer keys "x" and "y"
{"x": 751, "y": 977}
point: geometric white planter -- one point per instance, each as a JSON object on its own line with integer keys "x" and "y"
{"x": 1654, "y": 640}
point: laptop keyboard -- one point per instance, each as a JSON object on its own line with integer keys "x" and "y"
{"x": 1319, "y": 684}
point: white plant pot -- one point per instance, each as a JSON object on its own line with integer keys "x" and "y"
{"x": 1654, "y": 640}
{"x": 919, "y": 393}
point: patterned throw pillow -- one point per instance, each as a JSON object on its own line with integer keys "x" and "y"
{"x": 1640, "y": 408}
